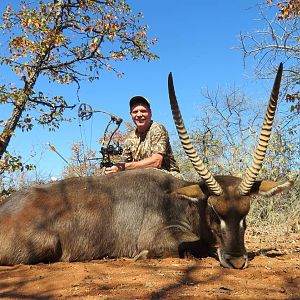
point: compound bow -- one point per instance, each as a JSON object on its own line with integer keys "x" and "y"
{"x": 85, "y": 112}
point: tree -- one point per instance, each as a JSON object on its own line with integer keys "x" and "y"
{"x": 288, "y": 9}
{"x": 229, "y": 123}
{"x": 227, "y": 133}
{"x": 86, "y": 162}
{"x": 83, "y": 162}
{"x": 18, "y": 177}
{"x": 65, "y": 42}
{"x": 277, "y": 41}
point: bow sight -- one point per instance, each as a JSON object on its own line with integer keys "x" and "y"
{"x": 85, "y": 112}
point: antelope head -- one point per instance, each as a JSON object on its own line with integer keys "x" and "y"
{"x": 228, "y": 197}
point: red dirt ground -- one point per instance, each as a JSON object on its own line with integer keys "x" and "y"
{"x": 273, "y": 273}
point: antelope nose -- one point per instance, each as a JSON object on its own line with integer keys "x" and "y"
{"x": 240, "y": 262}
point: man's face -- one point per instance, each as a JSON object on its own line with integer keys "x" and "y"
{"x": 141, "y": 116}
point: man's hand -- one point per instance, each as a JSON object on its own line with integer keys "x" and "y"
{"x": 154, "y": 161}
{"x": 115, "y": 168}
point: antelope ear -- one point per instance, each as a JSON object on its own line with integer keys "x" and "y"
{"x": 270, "y": 188}
{"x": 191, "y": 192}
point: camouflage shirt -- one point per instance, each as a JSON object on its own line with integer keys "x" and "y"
{"x": 156, "y": 140}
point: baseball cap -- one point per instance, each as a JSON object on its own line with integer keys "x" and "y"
{"x": 138, "y": 99}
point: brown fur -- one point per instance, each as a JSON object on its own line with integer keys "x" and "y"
{"x": 132, "y": 212}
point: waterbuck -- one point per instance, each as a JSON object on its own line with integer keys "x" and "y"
{"x": 228, "y": 197}
{"x": 140, "y": 213}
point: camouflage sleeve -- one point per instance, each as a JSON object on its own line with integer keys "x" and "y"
{"x": 127, "y": 153}
{"x": 159, "y": 139}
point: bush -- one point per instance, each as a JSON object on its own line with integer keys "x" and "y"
{"x": 279, "y": 214}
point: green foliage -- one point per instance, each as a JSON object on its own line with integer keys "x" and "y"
{"x": 19, "y": 179}
{"x": 59, "y": 35}
{"x": 11, "y": 163}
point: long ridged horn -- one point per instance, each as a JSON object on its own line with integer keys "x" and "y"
{"x": 260, "y": 152}
{"x": 187, "y": 145}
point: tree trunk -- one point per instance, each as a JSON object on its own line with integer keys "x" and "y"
{"x": 10, "y": 127}
{"x": 13, "y": 121}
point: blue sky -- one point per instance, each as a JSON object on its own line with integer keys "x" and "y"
{"x": 196, "y": 41}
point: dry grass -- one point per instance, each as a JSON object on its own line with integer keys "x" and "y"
{"x": 275, "y": 221}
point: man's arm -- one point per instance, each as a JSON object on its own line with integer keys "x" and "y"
{"x": 154, "y": 161}
{"x": 159, "y": 144}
